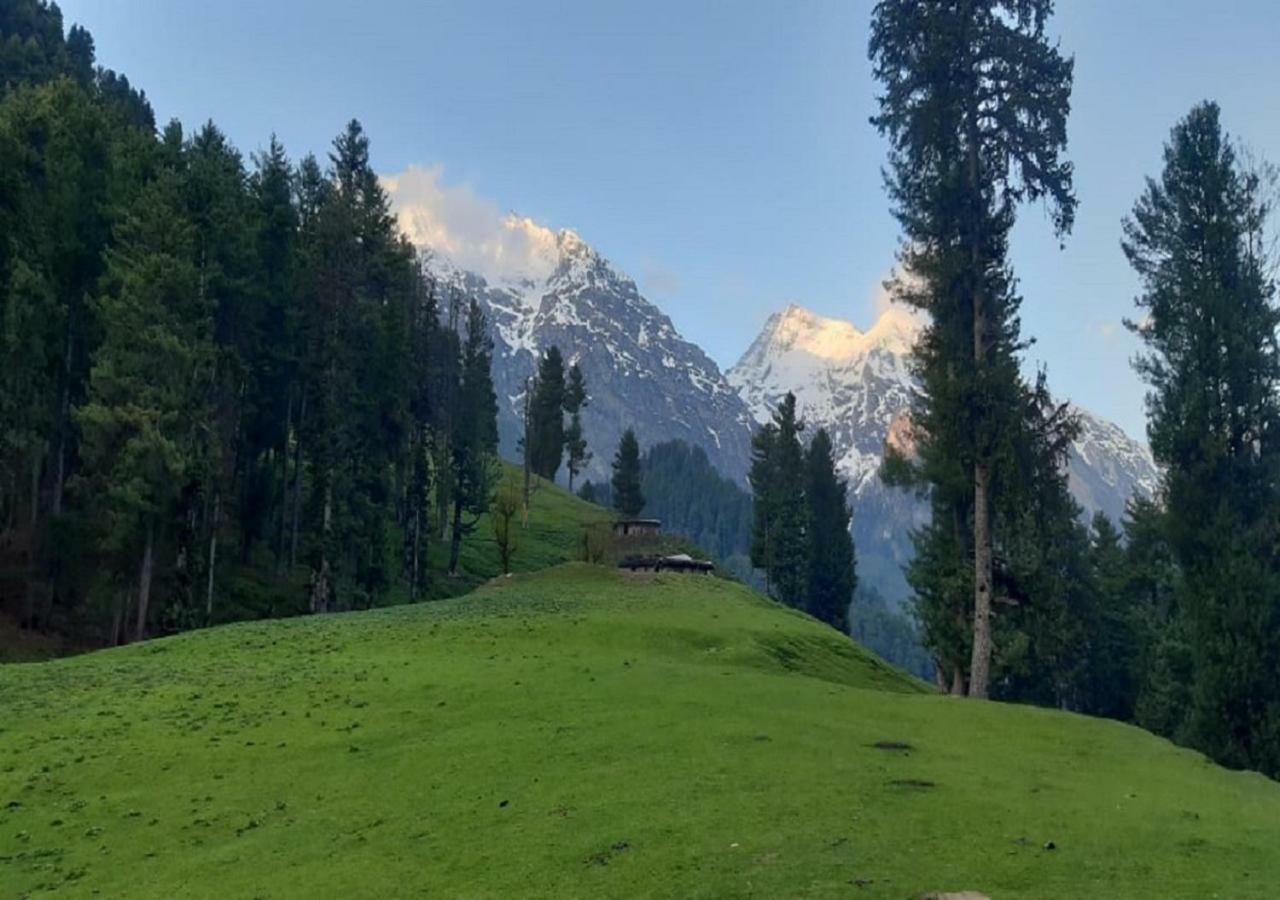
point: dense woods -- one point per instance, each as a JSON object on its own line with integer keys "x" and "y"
{"x": 229, "y": 389}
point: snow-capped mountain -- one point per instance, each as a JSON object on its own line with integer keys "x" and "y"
{"x": 640, "y": 372}
{"x": 859, "y": 387}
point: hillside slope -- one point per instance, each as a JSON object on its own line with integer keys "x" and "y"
{"x": 579, "y": 733}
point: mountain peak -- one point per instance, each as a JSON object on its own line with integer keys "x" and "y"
{"x": 798, "y": 336}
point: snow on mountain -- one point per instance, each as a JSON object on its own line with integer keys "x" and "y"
{"x": 640, "y": 372}
{"x": 1107, "y": 467}
{"x": 858, "y": 385}
{"x": 850, "y": 382}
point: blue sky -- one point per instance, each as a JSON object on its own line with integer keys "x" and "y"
{"x": 718, "y": 152}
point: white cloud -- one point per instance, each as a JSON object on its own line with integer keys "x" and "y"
{"x": 470, "y": 230}
{"x": 657, "y": 280}
{"x": 882, "y": 301}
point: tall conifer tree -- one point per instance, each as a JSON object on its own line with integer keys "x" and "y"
{"x": 627, "y": 498}
{"x": 1197, "y": 241}
{"x": 547, "y": 412}
{"x": 575, "y": 443}
{"x": 831, "y": 572}
{"x": 974, "y": 104}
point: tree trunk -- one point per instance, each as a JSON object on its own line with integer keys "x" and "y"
{"x": 36, "y": 468}
{"x": 117, "y": 620}
{"x": 284, "y": 486}
{"x": 980, "y": 665}
{"x": 417, "y": 541}
{"x": 144, "y": 586}
{"x": 455, "y": 543}
{"x": 957, "y": 683}
{"x": 64, "y": 413}
{"x": 213, "y": 557}
{"x": 524, "y": 513}
{"x": 442, "y": 496}
{"x": 321, "y": 589}
{"x": 297, "y": 484}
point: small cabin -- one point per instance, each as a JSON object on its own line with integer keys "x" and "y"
{"x": 629, "y": 529}
{"x": 680, "y": 562}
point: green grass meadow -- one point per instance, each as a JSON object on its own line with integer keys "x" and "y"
{"x": 583, "y": 733}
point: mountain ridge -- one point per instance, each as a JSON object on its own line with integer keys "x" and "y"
{"x": 859, "y": 386}
{"x": 642, "y": 373}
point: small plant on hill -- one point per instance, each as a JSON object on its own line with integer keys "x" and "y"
{"x": 506, "y": 506}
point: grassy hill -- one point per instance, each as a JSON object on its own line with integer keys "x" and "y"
{"x": 578, "y": 732}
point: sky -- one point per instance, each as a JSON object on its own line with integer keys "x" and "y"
{"x": 719, "y": 153}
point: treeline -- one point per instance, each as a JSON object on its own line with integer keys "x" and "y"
{"x": 1176, "y": 622}
{"x": 800, "y": 535}
{"x": 214, "y": 366}
{"x": 677, "y": 484}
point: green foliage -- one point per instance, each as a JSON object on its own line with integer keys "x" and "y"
{"x": 237, "y": 371}
{"x": 474, "y": 437}
{"x": 1197, "y": 241}
{"x": 974, "y": 103}
{"x": 831, "y": 566}
{"x": 625, "y": 486}
{"x": 888, "y": 633}
{"x": 547, "y": 435}
{"x": 779, "y": 538}
{"x": 683, "y": 489}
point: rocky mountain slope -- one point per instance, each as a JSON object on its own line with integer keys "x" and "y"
{"x": 640, "y": 372}
{"x": 859, "y": 387}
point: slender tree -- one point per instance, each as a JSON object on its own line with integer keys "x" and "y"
{"x": 627, "y": 498}
{"x": 779, "y": 542}
{"x": 475, "y": 439}
{"x": 974, "y": 103}
{"x": 575, "y": 443}
{"x": 547, "y": 445}
{"x": 502, "y": 518}
{"x": 831, "y": 571}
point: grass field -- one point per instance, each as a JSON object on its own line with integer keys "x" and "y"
{"x": 580, "y": 733}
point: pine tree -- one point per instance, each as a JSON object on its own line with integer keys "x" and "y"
{"x": 546, "y": 450}
{"x": 142, "y": 421}
{"x": 831, "y": 567}
{"x": 974, "y": 104}
{"x": 1114, "y": 649}
{"x": 763, "y": 501}
{"x": 214, "y": 186}
{"x": 272, "y": 353}
{"x": 55, "y": 213}
{"x": 627, "y": 498}
{"x": 424, "y": 343}
{"x": 1153, "y": 584}
{"x": 575, "y": 444}
{"x": 1197, "y": 241}
{"x": 779, "y": 543}
{"x": 475, "y": 438}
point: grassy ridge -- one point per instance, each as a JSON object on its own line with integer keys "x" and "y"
{"x": 581, "y": 733}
